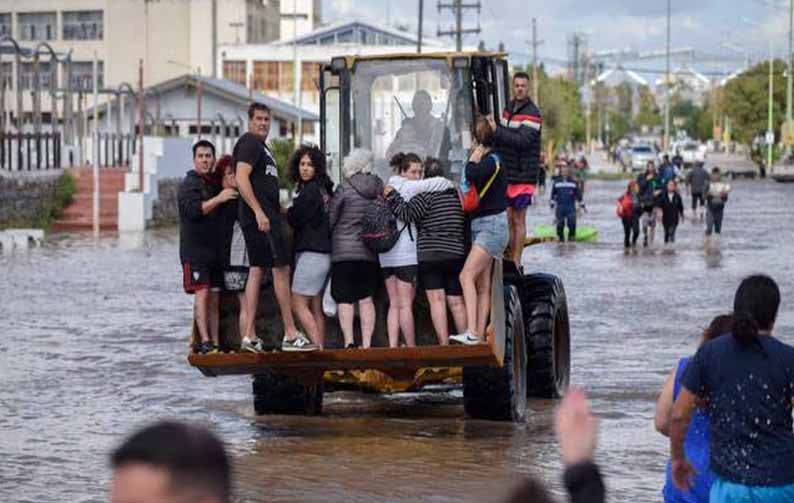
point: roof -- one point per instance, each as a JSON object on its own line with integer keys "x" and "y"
{"x": 408, "y": 37}
{"x": 235, "y": 92}
{"x": 616, "y": 73}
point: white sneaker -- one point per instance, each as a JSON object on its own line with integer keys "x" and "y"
{"x": 299, "y": 343}
{"x": 466, "y": 338}
{"x": 247, "y": 345}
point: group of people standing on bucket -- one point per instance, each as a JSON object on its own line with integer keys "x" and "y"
{"x": 655, "y": 196}
{"x": 728, "y": 409}
{"x": 444, "y": 250}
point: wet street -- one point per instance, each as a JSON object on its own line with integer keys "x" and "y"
{"x": 94, "y": 339}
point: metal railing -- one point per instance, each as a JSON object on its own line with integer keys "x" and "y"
{"x": 30, "y": 151}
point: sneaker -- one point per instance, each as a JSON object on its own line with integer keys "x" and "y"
{"x": 250, "y": 346}
{"x": 214, "y": 349}
{"x": 466, "y": 338}
{"x": 300, "y": 343}
{"x": 203, "y": 348}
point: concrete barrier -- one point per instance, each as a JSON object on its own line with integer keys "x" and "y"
{"x": 20, "y": 239}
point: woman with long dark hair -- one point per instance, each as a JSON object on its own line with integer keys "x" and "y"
{"x": 308, "y": 217}
{"x": 747, "y": 382}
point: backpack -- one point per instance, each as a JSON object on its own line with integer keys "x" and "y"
{"x": 379, "y": 231}
{"x": 470, "y": 198}
{"x": 625, "y": 206}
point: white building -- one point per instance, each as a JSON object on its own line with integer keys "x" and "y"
{"x": 299, "y": 17}
{"x": 172, "y": 37}
{"x": 270, "y": 68}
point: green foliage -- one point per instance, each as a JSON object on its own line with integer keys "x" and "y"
{"x": 648, "y": 114}
{"x": 561, "y": 107}
{"x": 746, "y": 101}
{"x": 282, "y": 150}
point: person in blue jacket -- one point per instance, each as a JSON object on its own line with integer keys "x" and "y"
{"x": 565, "y": 197}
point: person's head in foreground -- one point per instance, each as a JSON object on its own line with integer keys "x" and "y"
{"x": 170, "y": 462}
{"x": 755, "y": 308}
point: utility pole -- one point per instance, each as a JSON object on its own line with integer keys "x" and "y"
{"x": 421, "y": 26}
{"x": 214, "y": 38}
{"x": 95, "y": 148}
{"x": 666, "y": 142}
{"x": 535, "y": 44}
{"x": 770, "y": 132}
{"x": 789, "y": 77}
{"x": 457, "y": 7}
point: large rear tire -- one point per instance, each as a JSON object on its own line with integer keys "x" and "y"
{"x": 545, "y": 309}
{"x": 280, "y": 394}
{"x": 499, "y": 393}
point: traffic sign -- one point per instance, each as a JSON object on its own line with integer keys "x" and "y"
{"x": 770, "y": 137}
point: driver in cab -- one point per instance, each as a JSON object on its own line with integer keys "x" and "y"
{"x": 422, "y": 133}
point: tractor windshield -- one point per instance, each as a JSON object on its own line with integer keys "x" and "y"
{"x": 419, "y": 105}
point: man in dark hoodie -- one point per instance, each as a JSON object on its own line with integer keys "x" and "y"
{"x": 199, "y": 196}
{"x": 517, "y": 140}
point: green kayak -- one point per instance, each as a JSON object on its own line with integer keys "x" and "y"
{"x": 583, "y": 232}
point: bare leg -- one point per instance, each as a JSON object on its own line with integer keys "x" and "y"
{"x": 241, "y": 320}
{"x": 458, "y": 309}
{"x": 200, "y": 311}
{"x": 251, "y": 295}
{"x": 438, "y": 313}
{"x": 366, "y": 311}
{"x": 319, "y": 319}
{"x": 393, "y": 317}
{"x": 477, "y": 262}
{"x": 214, "y": 316}
{"x": 300, "y": 304}
{"x": 405, "y": 303}
{"x": 346, "y": 314}
{"x": 483, "y": 299}
{"x": 283, "y": 295}
{"x": 518, "y": 232}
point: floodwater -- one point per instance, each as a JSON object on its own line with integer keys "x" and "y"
{"x": 94, "y": 338}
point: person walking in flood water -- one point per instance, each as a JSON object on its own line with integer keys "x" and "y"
{"x": 672, "y": 211}
{"x": 650, "y": 186}
{"x": 716, "y": 197}
{"x": 696, "y": 181}
{"x": 566, "y": 197}
{"x": 696, "y": 444}
{"x": 746, "y": 379}
{"x": 628, "y": 211}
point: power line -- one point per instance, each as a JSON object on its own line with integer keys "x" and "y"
{"x": 458, "y": 7}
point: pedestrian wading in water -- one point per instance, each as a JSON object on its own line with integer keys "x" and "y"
{"x": 672, "y": 207}
{"x": 716, "y": 196}
{"x": 746, "y": 380}
{"x": 628, "y": 210}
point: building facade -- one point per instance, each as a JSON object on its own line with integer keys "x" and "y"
{"x": 171, "y": 37}
{"x": 299, "y": 17}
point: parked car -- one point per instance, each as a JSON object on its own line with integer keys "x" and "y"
{"x": 693, "y": 153}
{"x": 640, "y": 155}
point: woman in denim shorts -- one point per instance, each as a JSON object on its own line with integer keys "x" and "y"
{"x": 489, "y": 233}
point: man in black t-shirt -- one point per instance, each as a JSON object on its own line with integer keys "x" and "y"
{"x": 261, "y": 220}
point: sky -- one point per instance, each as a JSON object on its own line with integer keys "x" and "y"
{"x": 705, "y": 25}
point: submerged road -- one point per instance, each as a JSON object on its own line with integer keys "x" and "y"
{"x": 94, "y": 338}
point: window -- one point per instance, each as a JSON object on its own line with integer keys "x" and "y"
{"x": 7, "y": 71}
{"x": 286, "y": 76}
{"x": 45, "y": 77}
{"x": 265, "y": 75}
{"x": 310, "y": 76}
{"x": 37, "y": 25}
{"x": 83, "y": 75}
{"x": 5, "y": 24}
{"x": 83, "y": 25}
{"x": 234, "y": 71}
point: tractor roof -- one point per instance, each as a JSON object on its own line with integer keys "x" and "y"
{"x": 448, "y": 55}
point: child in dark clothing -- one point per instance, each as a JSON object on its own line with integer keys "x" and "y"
{"x": 672, "y": 207}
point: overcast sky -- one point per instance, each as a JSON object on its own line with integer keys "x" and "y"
{"x": 609, "y": 24}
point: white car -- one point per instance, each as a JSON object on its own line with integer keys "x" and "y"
{"x": 692, "y": 154}
{"x": 640, "y": 155}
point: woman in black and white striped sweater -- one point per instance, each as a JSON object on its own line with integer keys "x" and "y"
{"x": 441, "y": 249}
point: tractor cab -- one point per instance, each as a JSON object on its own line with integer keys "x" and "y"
{"x": 420, "y": 103}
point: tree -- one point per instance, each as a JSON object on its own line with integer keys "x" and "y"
{"x": 746, "y": 101}
{"x": 648, "y": 114}
{"x": 561, "y": 107}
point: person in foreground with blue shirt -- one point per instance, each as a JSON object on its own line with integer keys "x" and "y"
{"x": 747, "y": 381}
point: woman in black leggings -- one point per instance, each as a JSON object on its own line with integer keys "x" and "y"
{"x": 672, "y": 210}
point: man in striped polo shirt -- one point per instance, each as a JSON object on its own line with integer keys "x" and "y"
{"x": 517, "y": 140}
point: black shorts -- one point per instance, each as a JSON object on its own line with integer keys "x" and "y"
{"x": 354, "y": 280}
{"x": 406, "y": 273}
{"x": 197, "y": 277}
{"x": 267, "y": 249}
{"x": 697, "y": 196}
{"x": 443, "y": 274}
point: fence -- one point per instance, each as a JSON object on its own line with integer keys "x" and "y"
{"x": 29, "y": 151}
{"x": 114, "y": 149}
